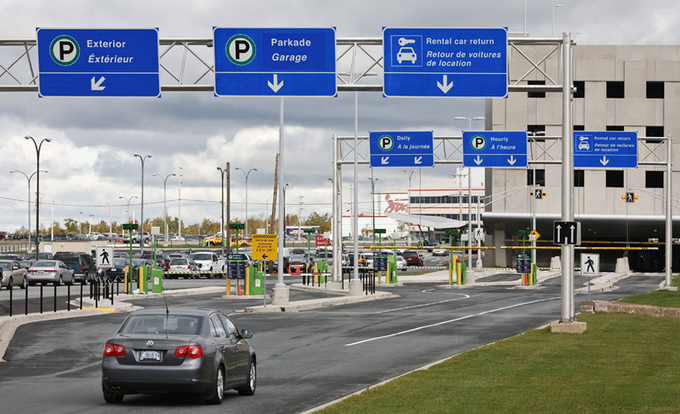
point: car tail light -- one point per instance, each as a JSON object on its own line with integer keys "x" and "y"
{"x": 113, "y": 349}
{"x": 81, "y": 269}
{"x": 191, "y": 351}
{"x": 49, "y": 271}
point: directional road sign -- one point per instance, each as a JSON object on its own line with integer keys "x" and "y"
{"x": 265, "y": 246}
{"x": 610, "y": 149}
{"x": 590, "y": 264}
{"x": 523, "y": 263}
{"x": 379, "y": 264}
{"x": 402, "y": 149}
{"x": 566, "y": 232}
{"x": 104, "y": 256}
{"x": 505, "y": 149}
{"x": 445, "y": 62}
{"x": 275, "y": 62}
{"x": 98, "y": 62}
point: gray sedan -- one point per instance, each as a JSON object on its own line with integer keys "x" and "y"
{"x": 178, "y": 350}
{"x": 50, "y": 271}
{"x": 12, "y": 274}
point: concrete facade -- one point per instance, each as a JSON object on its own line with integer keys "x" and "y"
{"x": 648, "y": 77}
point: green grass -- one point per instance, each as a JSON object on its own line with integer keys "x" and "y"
{"x": 621, "y": 364}
{"x": 663, "y": 298}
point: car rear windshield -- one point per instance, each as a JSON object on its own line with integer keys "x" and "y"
{"x": 44, "y": 263}
{"x": 201, "y": 256}
{"x": 120, "y": 262}
{"x": 68, "y": 259}
{"x": 410, "y": 254}
{"x": 178, "y": 262}
{"x": 162, "y": 325}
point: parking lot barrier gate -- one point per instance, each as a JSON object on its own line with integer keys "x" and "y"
{"x": 256, "y": 283}
{"x": 157, "y": 281}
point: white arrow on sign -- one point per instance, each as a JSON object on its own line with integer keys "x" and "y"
{"x": 97, "y": 86}
{"x": 384, "y": 160}
{"x": 418, "y": 160}
{"x": 604, "y": 161}
{"x": 558, "y": 227}
{"x": 276, "y": 85}
{"x": 572, "y": 232}
{"x": 478, "y": 160}
{"x": 512, "y": 160}
{"x": 445, "y": 86}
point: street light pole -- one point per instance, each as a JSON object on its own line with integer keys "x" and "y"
{"x": 409, "y": 203}
{"x": 28, "y": 180}
{"x": 224, "y": 234}
{"x": 141, "y": 233}
{"x": 127, "y": 209}
{"x": 373, "y": 202}
{"x": 552, "y": 32}
{"x": 246, "y": 175}
{"x": 283, "y": 200}
{"x": 38, "y": 147}
{"x": 165, "y": 205}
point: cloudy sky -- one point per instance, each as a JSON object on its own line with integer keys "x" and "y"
{"x": 90, "y": 159}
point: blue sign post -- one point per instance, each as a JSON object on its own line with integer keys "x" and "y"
{"x": 445, "y": 62}
{"x": 611, "y": 149}
{"x": 98, "y": 63}
{"x": 402, "y": 149}
{"x": 495, "y": 149}
{"x": 274, "y": 62}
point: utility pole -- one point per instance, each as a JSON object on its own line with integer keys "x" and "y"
{"x": 228, "y": 218}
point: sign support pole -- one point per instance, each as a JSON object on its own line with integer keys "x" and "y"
{"x": 280, "y": 291}
{"x": 669, "y": 212}
{"x": 355, "y": 283}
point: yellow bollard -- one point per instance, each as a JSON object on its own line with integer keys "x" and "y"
{"x": 247, "y": 284}
{"x": 125, "y": 285}
{"x": 316, "y": 270}
{"x": 228, "y": 287}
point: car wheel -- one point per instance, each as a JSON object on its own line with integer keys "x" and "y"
{"x": 249, "y": 389}
{"x": 59, "y": 282}
{"x": 23, "y": 283}
{"x": 110, "y": 397}
{"x": 218, "y": 388}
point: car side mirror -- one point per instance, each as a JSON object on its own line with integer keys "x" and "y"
{"x": 246, "y": 334}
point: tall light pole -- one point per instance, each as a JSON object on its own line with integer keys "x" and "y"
{"x": 28, "y": 180}
{"x": 127, "y": 202}
{"x": 533, "y": 181}
{"x": 38, "y": 147}
{"x": 300, "y": 219}
{"x": 224, "y": 234}
{"x": 409, "y": 203}
{"x": 246, "y": 174}
{"x": 141, "y": 233}
{"x": 80, "y": 222}
{"x": 470, "y": 119}
{"x": 283, "y": 200}
{"x": 373, "y": 203}
{"x": 89, "y": 229}
{"x": 552, "y": 32}
{"x": 179, "y": 203}
{"x": 110, "y": 203}
{"x": 165, "y": 205}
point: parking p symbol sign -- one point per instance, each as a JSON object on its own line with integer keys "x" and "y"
{"x": 386, "y": 142}
{"x": 64, "y": 50}
{"x": 478, "y": 142}
{"x": 240, "y": 49}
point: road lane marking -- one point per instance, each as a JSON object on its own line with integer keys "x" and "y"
{"x": 425, "y": 304}
{"x": 420, "y": 328}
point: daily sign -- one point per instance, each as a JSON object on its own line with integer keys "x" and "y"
{"x": 610, "y": 149}
{"x": 274, "y": 62}
{"x": 98, "y": 62}
{"x": 445, "y": 62}
{"x": 495, "y": 149}
{"x": 401, "y": 149}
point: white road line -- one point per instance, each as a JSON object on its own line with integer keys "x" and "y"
{"x": 425, "y": 304}
{"x": 450, "y": 321}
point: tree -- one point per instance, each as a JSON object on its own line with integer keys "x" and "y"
{"x": 323, "y": 221}
{"x": 71, "y": 225}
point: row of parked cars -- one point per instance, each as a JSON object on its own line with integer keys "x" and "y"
{"x": 60, "y": 268}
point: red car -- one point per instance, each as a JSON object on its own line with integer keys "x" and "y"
{"x": 412, "y": 258}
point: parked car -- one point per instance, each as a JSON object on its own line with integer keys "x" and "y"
{"x": 214, "y": 240}
{"x": 183, "y": 267}
{"x": 208, "y": 262}
{"x": 178, "y": 350}
{"x": 401, "y": 263}
{"x": 41, "y": 256}
{"x": 25, "y": 263}
{"x": 438, "y": 251}
{"x": 50, "y": 271}
{"x": 137, "y": 237}
{"x": 12, "y": 274}
{"x": 412, "y": 258}
{"x": 117, "y": 270}
{"x": 84, "y": 268}
{"x": 11, "y": 256}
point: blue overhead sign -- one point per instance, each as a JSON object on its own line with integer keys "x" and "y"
{"x": 445, "y": 62}
{"x": 274, "y": 62}
{"x": 610, "y": 149}
{"x": 402, "y": 149}
{"x": 495, "y": 149}
{"x": 98, "y": 62}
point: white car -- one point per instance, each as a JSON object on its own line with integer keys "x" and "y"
{"x": 401, "y": 263}
{"x": 438, "y": 251}
{"x": 208, "y": 262}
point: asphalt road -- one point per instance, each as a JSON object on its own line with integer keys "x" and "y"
{"x": 305, "y": 359}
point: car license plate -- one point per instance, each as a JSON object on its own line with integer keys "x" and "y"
{"x": 150, "y": 355}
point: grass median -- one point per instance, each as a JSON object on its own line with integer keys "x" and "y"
{"x": 664, "y": 298}
{"x": 621, "y": 364}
